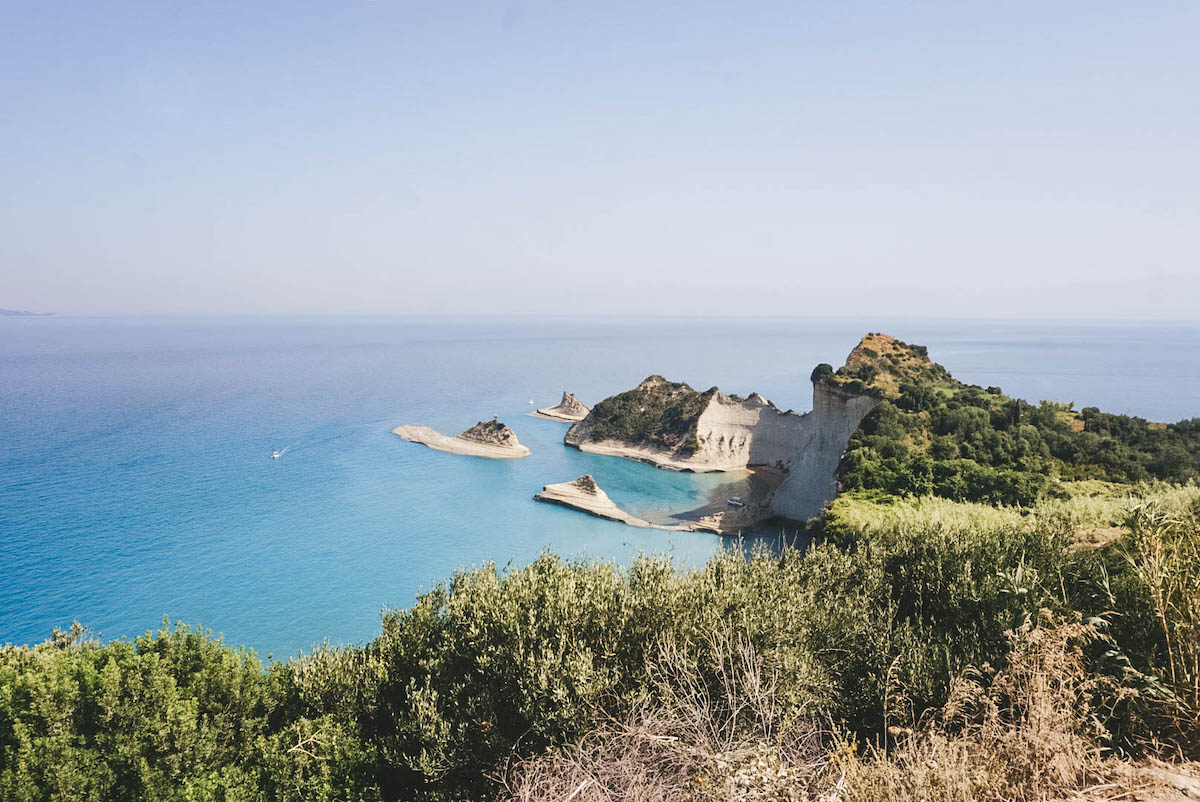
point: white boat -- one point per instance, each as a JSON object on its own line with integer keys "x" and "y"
{"x": 736, "y": 501}
{"x": 276, "y": 455}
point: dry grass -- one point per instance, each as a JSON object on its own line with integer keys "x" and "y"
{"x": 1164, "y": 552}
{"x": 1094, "y": 512}
{"x": 1030, "y": 731}
{"x": 894, "y": 361}
{"x": 693, "y": 742}
{"x": 1027, "y": 732}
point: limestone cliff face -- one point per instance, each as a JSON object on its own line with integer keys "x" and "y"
{"x": 736, "y": 434}
{"x": 733, "y": 433}
{"x": 812, "y": 473}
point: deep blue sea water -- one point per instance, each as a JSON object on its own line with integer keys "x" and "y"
{"x": 136, "y": 477}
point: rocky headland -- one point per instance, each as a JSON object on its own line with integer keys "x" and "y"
{"x": 569, "y": 410}
{"x": 672, "y": 426}
{"x": 489, "y": 439}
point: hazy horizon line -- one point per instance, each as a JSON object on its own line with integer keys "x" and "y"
{"x": 1074, "y": 318}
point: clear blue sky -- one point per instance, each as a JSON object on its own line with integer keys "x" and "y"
{"x": 955, "y": 158}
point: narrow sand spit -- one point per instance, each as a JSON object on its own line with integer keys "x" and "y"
{"x": 569, "y": 410}
{"x": 585, "y": 495}
{"x": 490, "y": 439}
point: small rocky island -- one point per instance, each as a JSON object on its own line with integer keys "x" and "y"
{"x": 490, "y": 439}
{"x": 569, "y": 410}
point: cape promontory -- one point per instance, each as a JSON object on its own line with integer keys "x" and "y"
{"x": 490, "y": 439}
{"x": 671, "y": 425}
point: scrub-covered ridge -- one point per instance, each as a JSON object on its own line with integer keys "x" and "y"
{"x": 880, "y": 365}
{"x": 932, "y": 434}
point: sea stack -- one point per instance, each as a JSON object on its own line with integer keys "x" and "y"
{"x": 490, "y": 439}
{"x": 569, "y": 410}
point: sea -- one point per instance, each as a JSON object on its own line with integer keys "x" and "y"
{"x": 137, "y": 479}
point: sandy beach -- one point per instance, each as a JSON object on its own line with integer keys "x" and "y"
{"x": 659, "y": 459}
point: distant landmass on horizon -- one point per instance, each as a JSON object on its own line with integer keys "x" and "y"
{"x": 23, "y": 313}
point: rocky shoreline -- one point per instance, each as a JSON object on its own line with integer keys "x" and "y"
{"x": 650, "y": 456}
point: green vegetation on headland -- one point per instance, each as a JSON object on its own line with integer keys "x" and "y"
{"x": 932, "y": 434}
{"x": 899, "y": 613}
{"x": 657, "y": 413}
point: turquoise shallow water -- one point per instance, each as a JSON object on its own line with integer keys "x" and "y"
{"x": 136, "y": 478}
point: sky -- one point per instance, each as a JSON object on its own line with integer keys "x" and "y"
{"x": 960, "y": 159}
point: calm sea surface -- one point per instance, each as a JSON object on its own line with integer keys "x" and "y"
{"x": 136, "y": 477}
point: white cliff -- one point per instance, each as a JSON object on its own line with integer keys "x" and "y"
{"x": 735, "y": 434}
{"x": 812, "y": 471}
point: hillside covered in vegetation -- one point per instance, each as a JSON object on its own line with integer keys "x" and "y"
{"x": 932, "y": 434}
{"x": 657, "y": 413}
